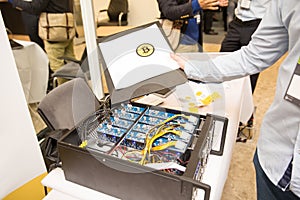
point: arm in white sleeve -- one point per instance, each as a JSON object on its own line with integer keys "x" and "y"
{"x": 268, "y": 44}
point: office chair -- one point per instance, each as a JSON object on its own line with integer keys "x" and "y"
{"x": 116, "y": 14}
{"x": 61, "y": 109}
{"x": 68, "y": 104}
{"x": 72, "y": 69}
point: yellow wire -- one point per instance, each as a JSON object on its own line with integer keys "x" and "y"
{"x": 175, "y": 132}
{"x": 147, "y": 142}
{"x": 83, "y": 144}
{"x": 159, "y": 133}
{"x": 164, "y": 146}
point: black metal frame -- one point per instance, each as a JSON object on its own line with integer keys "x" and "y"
{"x": 133, "y": 181}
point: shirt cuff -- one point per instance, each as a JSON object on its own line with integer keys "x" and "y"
{"x": 192, "y": 71}
{"x": 204, "y": 71}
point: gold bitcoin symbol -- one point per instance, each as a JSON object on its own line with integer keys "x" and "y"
{"x": 145, "y": 50}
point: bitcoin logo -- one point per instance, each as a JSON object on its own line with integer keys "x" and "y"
{"x": 145, "y": 50}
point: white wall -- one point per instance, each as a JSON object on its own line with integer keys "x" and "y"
{"x": 140, "y": 11}
{"x": 21, "y": 157}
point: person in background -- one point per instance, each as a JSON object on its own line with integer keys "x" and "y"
{"x": 228, "y": 13}
{"x": 31, "y": 22}
{"x": 208, "y": 22}
{"x": 178, "y": 9}
{"x": 246, "y": 20}
{"x": 232, "y": 4}
{"x": 277, "y": 158}
{"x": 54, "y": 50}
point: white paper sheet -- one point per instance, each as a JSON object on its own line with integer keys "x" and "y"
{"x": 126, "y": 67}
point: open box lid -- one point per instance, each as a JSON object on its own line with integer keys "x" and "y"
{"x": 137, "y": 62}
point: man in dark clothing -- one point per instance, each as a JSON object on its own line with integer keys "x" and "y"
{"x": 208, "y": 22}
{"x": 30, "y": 22}
{"x": 190, "y": 10}
{"x": 54, "y": 50}
{"x": 38, "y": 6}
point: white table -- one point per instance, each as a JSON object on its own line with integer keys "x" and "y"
{"x": 32, "y": 63}
{"x": 238, "y": 106}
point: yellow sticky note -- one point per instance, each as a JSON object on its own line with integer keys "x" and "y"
{"x": 210, "y": 98}
{"x": 215, "y": 95}
{"x": 198, "y": 93}
{"x": 194, "y": 109}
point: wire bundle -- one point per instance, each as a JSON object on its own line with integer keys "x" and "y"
{"x": 147, "y": 155}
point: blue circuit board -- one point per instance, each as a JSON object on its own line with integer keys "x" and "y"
{"x": 130, "y": 125}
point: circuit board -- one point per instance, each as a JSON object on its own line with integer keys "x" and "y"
{"x": 145, "y": 134}
{"x": 146, "y": 145}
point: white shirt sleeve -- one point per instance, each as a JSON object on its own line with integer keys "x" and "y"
{"x": 268, "y": 44}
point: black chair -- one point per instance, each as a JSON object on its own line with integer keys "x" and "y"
{"x": 68, "y": 104}
{"x": 116, "y": 14}
{"x": 72, "y": 69}
{"x": 61, "y": 109}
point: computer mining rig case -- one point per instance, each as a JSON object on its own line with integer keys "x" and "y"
{"x": 134, "y": 151}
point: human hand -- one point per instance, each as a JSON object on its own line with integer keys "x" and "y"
{"x": 210, "y": 4}
{"x": 179, "y": 60}
{"x": 223, "y": 3}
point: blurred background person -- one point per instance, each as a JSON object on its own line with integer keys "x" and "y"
{"x": 191, "y": 11}
{"x": 31, "y": 22}
{"x": 55, "y": 50}
{"x": 232, "y": 4}
{"x": 209, "y": 17}
{"x": 208, "y": 22}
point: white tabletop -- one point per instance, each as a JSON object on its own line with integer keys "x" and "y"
{"x": 32, "y": 63}
{"x": 237, "y": 100}
{"x": 238, "y": 105}
{"x": 67, "y": 190}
